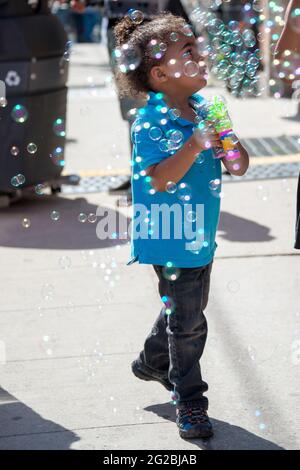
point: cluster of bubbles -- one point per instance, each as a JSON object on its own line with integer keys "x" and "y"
{"x": 55, "y": 215}
{"x": 230, "y": 52}
{"x": 20, "y": 115}
{"x": 82, "y": 217}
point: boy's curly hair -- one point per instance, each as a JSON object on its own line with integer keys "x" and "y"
{"x": 138, "y": 36}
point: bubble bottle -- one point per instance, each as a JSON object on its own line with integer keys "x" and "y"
{"x": 206, "y": 128}
{"x": 217, "y": 113}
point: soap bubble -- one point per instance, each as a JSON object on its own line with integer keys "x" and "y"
{"x": 257, "y": 6}
{"x": 155, "y": 133}
{"x": 59, "y": 127}
{"x": 136, "y": 16}
{"x": 227, "y": 36}
{"x": 249, "y": 38}
{"x": 26, "y": 222}
{"x": 171, "y": 187}
{"x": 226, "y": 50}
{"x": 164, "y": 145}
{"x": 157, "y": 49}
{"x": 195, "y": 246}
{"x": 39, "y": 189}
{"x": 92, "y": 218}
{"x": 31, "y": 148}
{"x": 233, "y": 25}
{"x": 276, "y": 87}
{"x": 127, "y": 58}
{"x": 252, "y": 352}
{"x": 17, "y": 180}
{"x": 19, "y": 113}
{"x": 174, "y": 37}
{"x": 64, "y": 262}
{"x": 187, "y": 30}
{"x": 171, "y": 273}
{"x": 3, "y": 102}
{"x": 215, "y": 27}
{"x": 57, "y": 156}
{"x": 191, "y": 216}
{"x": 191, "y": 68}
{"x": 237, "y": 39}
{"x": 68, "y": 50}
{"x": 184, "y": 192}
{"x": 237, "y": 59}
{"x": 47, "y": 291}
{"x": 14, "y": 151}
{"x": 54, "y": 215}
{"x": 216, "y": 43}
{"x": 82, "y": 217}
{"x": 200, "y": 158}
{"x": 175, "y": 136}
{"x": 174, "y": 114}
{"x": 233, "y": 286}
{"x": 262, "y": 192}
{"x": 214, "y": 184}
{"x": 168, "y": 301}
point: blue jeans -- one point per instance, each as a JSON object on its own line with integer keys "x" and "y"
{"x": 175, "y": 345}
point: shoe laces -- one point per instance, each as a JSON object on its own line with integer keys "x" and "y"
{"x": 192, "y": 415}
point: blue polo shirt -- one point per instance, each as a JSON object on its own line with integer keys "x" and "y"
{"x": 175, "y": 227}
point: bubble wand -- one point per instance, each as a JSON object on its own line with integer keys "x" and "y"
{"x": 217, "y": 113}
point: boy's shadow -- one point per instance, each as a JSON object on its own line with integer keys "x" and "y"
{"x": 226, "y": 436}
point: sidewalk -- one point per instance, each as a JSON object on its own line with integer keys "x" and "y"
{"x": 74, "y": 316}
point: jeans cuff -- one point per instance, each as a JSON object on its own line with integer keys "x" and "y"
{"x": 194, "y": 404}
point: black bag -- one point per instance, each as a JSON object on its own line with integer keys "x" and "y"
{"x": 33, "y": 68}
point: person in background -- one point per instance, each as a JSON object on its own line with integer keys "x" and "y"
{"x": 290, "y": 40}
{"x": 114, "y": 12}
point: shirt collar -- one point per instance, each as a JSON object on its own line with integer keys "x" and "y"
{"x": 157, "y": 99}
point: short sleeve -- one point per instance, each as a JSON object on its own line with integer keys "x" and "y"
{"x": 148, "y": 139}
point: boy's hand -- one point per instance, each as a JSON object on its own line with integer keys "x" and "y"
{"x": 206, "y": 139}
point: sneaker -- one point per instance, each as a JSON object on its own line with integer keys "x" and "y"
{"x": 193, "y": 421}
{"x": 141, "y": 373}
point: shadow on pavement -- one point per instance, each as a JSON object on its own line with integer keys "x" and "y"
{"x": 24, "y": 429}
{"x": 65, "y": 233}
{"x": 226, "y": 436}
{"x": 239, "y": 229}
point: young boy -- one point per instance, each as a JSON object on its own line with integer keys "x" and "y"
{"x": 174, "y": 176}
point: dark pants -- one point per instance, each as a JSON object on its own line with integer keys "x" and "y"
{"x": 176, "y": 343}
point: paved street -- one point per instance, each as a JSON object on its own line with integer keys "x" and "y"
{"x": 74, "y": 316}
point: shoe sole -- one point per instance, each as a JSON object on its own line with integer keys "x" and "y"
{"x": 141, "y": 375}
{"x": 197, "y": 433}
